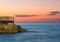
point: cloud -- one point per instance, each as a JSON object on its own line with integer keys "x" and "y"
{"x": 25, "y": 15}
{"x": 53, "y": 13}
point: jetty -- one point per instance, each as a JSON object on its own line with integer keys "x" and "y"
{"x": 7, "y": 25}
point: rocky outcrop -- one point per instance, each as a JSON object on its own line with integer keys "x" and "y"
{"x": 11, "y": 28}
{"x": 7, "y": 25}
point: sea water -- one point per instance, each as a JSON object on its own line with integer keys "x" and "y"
{"x": 36, "y": 32}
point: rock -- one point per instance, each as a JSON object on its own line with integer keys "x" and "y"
{"x": 23, "y": 30}
{"x": 11, "y": 28}
{"x": 20, "y": 29}
{"x": 7, "y": 25}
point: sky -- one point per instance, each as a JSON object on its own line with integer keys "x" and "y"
{"x": 31, "y": 10}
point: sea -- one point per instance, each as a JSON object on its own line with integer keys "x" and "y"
{"x": 36, "y": 32}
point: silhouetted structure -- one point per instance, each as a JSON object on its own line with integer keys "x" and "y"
{"x": 6, "y": 19}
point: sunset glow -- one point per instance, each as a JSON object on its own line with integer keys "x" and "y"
{"x": 44, "y": 10}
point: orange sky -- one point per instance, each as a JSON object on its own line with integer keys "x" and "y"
{"x": 42, "y": 18}
{"x": 41, "y": 8}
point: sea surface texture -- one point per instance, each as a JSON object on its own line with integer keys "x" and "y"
{"x": 36, "y": 32}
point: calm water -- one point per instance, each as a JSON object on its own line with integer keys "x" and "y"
{"x": 37, "y": 32}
